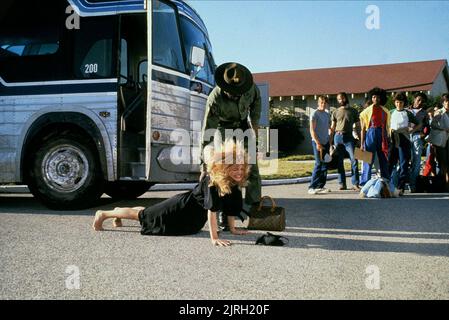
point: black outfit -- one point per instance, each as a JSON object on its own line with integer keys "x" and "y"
{"x": 186, "y": 213}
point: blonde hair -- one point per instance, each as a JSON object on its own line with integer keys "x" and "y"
{"x": 229, "y": 154}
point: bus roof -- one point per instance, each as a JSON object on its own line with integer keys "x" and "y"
{"x": 111, "y": 7}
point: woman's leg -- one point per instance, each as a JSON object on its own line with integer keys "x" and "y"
{"x": 118, "y": 213}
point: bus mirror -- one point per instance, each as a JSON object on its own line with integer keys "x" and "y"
{"x": 197, "y": 57}
{"x": 197, "y": 60}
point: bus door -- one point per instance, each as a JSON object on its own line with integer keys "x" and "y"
{"x": 132, "y": 97}
{"x": 198, "y": 98}
{"x": 169, "y": 115}
{"x": 201, "y": 66}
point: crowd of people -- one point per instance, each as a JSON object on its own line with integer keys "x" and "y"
{"x": 396, "y": 139}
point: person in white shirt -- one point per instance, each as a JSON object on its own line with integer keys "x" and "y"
{"x": 401, "y": 122}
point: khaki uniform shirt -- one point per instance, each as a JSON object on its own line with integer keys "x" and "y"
{"x": 224, "y": 113}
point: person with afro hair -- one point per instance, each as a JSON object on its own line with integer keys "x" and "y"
{"x": 375, "y": 129}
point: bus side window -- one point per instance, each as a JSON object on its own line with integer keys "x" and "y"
{"x": 31, "y": 49}
{"x": 93, "y": 55}
{"x": 30, "y": 41}
{"x": 123, "y": 62}
{"x": 167, "y": 50}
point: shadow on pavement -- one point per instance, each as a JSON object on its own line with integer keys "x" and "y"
{"x": 29, "y": 205}
{"x": 401, "y": 225}
{"x": 411, "y": 224}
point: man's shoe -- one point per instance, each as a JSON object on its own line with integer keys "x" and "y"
{"x": 356, "y": 188}
{"x": 323, "y": 190}
{"x": 342, "y": 187}
{"x": 312, "y": 191}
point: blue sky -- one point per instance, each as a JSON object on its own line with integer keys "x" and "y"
{"x": 291, "y": 35}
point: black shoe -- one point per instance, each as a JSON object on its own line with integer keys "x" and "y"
{"x": 222, "y": 222}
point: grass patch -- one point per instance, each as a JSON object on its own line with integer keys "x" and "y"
{"x": 286, "y": 169}
{"x": 298, "y": 157}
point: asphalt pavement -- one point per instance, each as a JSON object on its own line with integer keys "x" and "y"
{"x": 341, "y": 247}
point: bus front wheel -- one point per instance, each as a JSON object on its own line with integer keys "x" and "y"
{"x": 127, "y": 190}
{"x": 65, "y": 172}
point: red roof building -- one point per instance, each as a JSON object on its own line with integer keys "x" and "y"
{"x": 298, "y": 90}
{"x": 431, "y": 76}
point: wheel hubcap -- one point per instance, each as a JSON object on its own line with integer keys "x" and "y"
{"x": 65, "y": 168}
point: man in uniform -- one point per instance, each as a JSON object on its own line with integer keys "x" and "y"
{"x": 235, "y": 103}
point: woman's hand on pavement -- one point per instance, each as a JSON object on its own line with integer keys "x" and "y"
{"x": 221, "y": 243}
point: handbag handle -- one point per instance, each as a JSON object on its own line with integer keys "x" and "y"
{"x": 273, "y": 204}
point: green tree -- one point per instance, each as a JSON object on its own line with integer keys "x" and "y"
{"x": 431, "y": 101}
{"x": 289, "y": 128}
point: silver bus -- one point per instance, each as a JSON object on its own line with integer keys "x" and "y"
{"x": 90, "y": 92}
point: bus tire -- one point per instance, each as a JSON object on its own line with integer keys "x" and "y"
{"x": 65, "y": 173}
{"x": 127, "y": 190}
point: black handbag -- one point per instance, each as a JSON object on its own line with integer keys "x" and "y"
{"x": 270, "y": 218}
{"x": 270, "y": 239}
{"x": 336, "y": 153}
